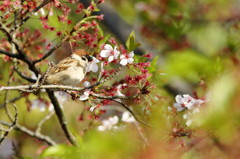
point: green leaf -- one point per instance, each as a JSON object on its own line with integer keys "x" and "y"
{"x": 153, "y": 65}
{"x": 105, "y": 39}
{"x": 131, "y": 42}
{"x": 62, "y": 151}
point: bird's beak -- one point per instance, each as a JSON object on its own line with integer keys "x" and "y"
{"x": 90, "y": 58}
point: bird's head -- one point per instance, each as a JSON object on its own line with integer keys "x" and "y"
{"x": 82, "y": 55}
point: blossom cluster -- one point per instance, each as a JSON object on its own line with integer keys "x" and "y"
{"x": 113, "y": 53}
{"x": 111, "y": 123}
{"x": 190, "y": 104}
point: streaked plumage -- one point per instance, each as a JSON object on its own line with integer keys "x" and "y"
{"x": 69, "y": 71}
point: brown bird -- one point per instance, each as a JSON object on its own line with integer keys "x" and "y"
{"x": 71, "y": 70}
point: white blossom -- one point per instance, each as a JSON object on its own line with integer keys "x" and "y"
{"x": 127, "y": 117}
{"x": 61, "y": 96}
{"x": 33, "y": 76}
{"x": 92, "y": 66}
{"x": 39, "y": 104}
{"x": 109, "y": 124}
{"x": 126, "y": 58}
{"x": 189, "y": 122}
{"x": 110, "y": 52}
{"x": 41, "y": 11}
{"x": 92, "y": 108}
{"x": 86, "y": 92}
{"x": 186, "y": 102}
{"x": 119, "y": 88}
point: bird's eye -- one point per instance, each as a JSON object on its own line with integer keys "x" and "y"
{"x": 84, "y": 58}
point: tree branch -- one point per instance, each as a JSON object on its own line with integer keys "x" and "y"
{"x": 25, "y": 130}
{"x": 45, "y": 2}
{"x": 66, "y": 38}
{"x": 32, "y": 88}
{"x": 9, "y": 54}
{"x": 61, "y": 117}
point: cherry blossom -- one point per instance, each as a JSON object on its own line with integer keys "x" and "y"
{"x": 186, "y": 102}
{"x": 119, "y": 88}
{"x": 110, "y": 52}
{"x": 190, "y": 104}
{"x": 93, "y": 65}
{"x": 109, "y": 124}
{"x": 127, "y": 117}
{"x": 86, "y": 92}
{"x": 39, "y": 104}
{"x": 61, "y": 96}
{"x": 126, "y": 58}
{"x": 189, "y": 116}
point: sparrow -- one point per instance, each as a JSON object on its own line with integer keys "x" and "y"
{"x": 69, "y": 71}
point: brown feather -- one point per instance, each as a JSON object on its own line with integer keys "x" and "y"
{"x": 80, "y": 52}
{"x": 62, "y": 65}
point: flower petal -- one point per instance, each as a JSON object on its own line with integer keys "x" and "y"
{"x": 108, "y": 47}
{"x": 122, "y": 56}
{"x": 116, "y": 52}
{"x": 95, "y": 60}
{"x": 178, "y": 99}
{"x": 131, "y": 54}
{"x": 130, "y": 60}
{"x": 86, "y": 84}
{"x": 83, "y": 97}
{"x": 95, "y": 68}
{"x": 189, "y": 122}
{"x": 124, "y": 62}
{"x": 101, "y": 128}
{"x": 104, "y": 53}
{"x": 178, "y": 107}
{"x": 111, "y": 58}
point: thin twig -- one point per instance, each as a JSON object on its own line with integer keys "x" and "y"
{"x": 75, "y": 29}
{"x": 112, "y": 75}
{"x": 140, "y": 131}
{"x": 6, "y": 13}
{"x": 21, "y": 74}
{"x": 24, "y": 20}
{"x": 12, "y": 125}
{"x": 11, "y": 101}
{"x": 6, "y": 98}
{"x": 25, "y": 130}
{"x": 132, "y": 113}
{"x": 46, "y": 118}
{"x": 113, "y": 97}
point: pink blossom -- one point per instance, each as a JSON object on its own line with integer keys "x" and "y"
{"x": 186, "y": 102}
{"x": 190, "y": 104}
{"x": 127, "y": 58}
{"x": 110, "y": 52}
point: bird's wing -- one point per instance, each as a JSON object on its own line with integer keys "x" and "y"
{"x": 62, "y": 65}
